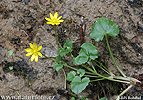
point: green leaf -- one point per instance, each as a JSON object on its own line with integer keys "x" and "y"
{"x": 62, "y": 52}
{"x": 91, "y": 50}
{"x": 81, "y": 60}
{"x": 73, "y": 98}
{"x": 104, "y": 26}
{"x": 67, "y": 48}
{"x": 88, "y": 51}
{"x": 71, "y": 75}
{"x": 83, "y": 98}
{"x": 78, "y": 85}
{"x": 68, "y": 44}
{"x": 58, "y": 59}
{"x": 58, "y": 66}
{"x": 104, "y": 98}
{"x": 81, "y": 72}
{"x": 10, "y": 53}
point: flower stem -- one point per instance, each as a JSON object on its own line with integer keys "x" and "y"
{"x": 50, "y": 58}
{"x": 112, "y": 57}
{"x": 57, "y": 36}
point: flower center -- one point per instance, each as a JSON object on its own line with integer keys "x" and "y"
{"x": 55, "y": 20}
{"x": 35, "y": 50}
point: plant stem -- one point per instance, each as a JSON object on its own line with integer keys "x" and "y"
{"x": 100, "y": 64}
{"x": 112, "y": 57}
{"x": 65, "y": 79}
{"x": 122, "y": 78}
{"x": 76, "y": 69}
{"x": 70, "y": 67}
{"x": 103, "y": 69}
{"x": 91, "y": 76}
{"x": 50, "y": 58}
{"x": 89, "y": 69}
{"x": 90, "y": 63}
{"x": 126, "y": 90}
{"x": 111, "y": 79}
{"x": 105, "y": 77}
{"x": 97, "y": 80}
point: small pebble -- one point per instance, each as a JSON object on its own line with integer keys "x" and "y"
{"x": 25, "y": 1}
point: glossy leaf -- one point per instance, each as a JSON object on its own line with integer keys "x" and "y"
{"x": 78, "y": 84}
{"x": 88, "y": 52}
{"x": 62, "y": 52}
{"x": 71, "y": 75}
{"x": 104, "y": 98}
{"x": 91, "y": 50}
{"x": 73, "y": 98}
{"x": 104, "y": 26}
{"x": 67, "y": 48}
{"x": 68, "y": 44}
{"x": 58, "y": 66}
{"x": 81, "y": 59}
{"x": 81, "y": 72}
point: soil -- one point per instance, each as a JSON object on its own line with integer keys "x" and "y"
{"x": 22, "y": 22}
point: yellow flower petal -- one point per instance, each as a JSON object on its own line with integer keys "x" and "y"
{"x": 50, "y": 23}
{"x": 40, "y": 54}
{"x": 28, "y": 54}
{"x": 28, "y": 50}
{"x": 36, "y": 58}
{"x": 57, "y": 23}
{"x": 39, "y": 48}
{"x": 56, "y": 15}
{"x": 35, "y": 46}
{"x": 61, "y": 20}
{"x": 51, "y": 16}
{"x": 48, "y": 19}
{"x": 59, "y": 17}
{"x": 33, "y": 57}
{"x": 54, "y": 19}
{"x": 31, "y": 45}
{"x": 34, "y": 51}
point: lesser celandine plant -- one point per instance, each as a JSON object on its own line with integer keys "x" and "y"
{"x": 83, "y": 66}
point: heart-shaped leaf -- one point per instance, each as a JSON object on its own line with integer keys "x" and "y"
{"x": 67, "y": 48}
{"x": 81, "y": 58}
{"x": 91, "y": 50}
{"x": 58, "y": 66}
{"x": 81, "y": 72}
{"x": 104, "y": 26}
{"x": 68, "y": 44}
{"x": 62, "y": 52}
{"x": 104, "y": 98}
{"x": 88, "y": 51}
{"x": 78, "y": 84}
{"x": 71, "y": 75}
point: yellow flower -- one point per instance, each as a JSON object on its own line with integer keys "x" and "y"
{"x": 54, "y": 19}
{"x": 34, "y": 51}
